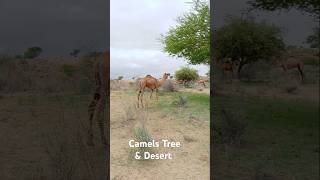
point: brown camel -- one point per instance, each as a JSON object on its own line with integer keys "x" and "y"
{"x": 293, "y": 64}
{"x": 96, "y": 107}
{"x": 151, "y": 83}
{"x": 202, "y": 82}
{"x": 226, "y": 67}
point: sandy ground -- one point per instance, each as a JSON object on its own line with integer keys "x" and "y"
{"x": 305, "y": 93}
{"x": 41, "y": 138}
{"x": 191, "y": 161}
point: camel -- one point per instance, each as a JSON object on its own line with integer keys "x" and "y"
{"x": 97, "y": 105}
{"x": 152, "y": 83}
{"x": 226, "y": 67}
{"x": 202, "y": 82}
{"x": 293, "y": 64}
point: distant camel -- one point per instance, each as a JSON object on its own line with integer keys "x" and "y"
{"x": 97, "y": 105}
{"x": 151, "y": 83}
{"x": 202, "y": 82}
{"x": 292, "y": 64}
{"x": 225, "y": 67}
{"x": 180, "y": 82}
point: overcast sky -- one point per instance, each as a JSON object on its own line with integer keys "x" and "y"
{"x": 135, "y": 31}
{"x": 57, "y": 26}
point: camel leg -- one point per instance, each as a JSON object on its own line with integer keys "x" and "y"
{"x": 301, "y": 72}
{"x": 140, "y": 97}
{"x": 157, "y": 94}
{"x": 139, "y": 93}
{"x": 100, "y": 119}
{"x": 151, "y": 93}
{"x": 91, "y": 110}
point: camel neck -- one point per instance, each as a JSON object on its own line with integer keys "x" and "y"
{"x": 161, "y": 81}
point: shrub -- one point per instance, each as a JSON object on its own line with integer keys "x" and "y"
{"x": 141, "y": 134}
{"x": 231, "y": 128}
{"x": 168, "y": 86}
{"x": 186, "y": 74}
{"x": 32, "y": 52}
{"x": 181, "y": 102}
{"x": 130, "y": 112}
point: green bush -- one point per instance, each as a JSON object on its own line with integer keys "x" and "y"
{"x": 142, "y": 135}
{"x": 186, "y": 74}
{"x": 120, "y": 78}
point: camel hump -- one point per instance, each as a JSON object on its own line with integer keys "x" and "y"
{"x": 148, "y": 75}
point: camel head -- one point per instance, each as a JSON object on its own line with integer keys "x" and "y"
{"x": 165, "y": 76}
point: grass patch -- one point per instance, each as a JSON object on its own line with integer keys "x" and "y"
{"x": 281, "y": 139}
{"x": 198, "y": 105}
{"x": 313, "y": 61}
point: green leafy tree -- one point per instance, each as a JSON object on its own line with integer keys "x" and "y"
{"x": 311, "y": 7}
{"x": 313, "y": 39}
{"x": 247, "y": 41}
{"x": 32, "y": 52}
{"x": 190, "y": 38}
{"x": 186, "y": 74}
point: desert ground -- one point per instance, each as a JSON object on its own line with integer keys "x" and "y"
{"x": 163, "y": 119}
{"x": 44, "y": 119}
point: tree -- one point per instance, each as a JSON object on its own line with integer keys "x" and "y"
{"x": 247, "y": 41}
{"x": 311, "y": 7}
{"x": 75, "y": 52}
{"x": 190, "y": 38}
{"x": 32, "y": 52}
{"x": 120, "y": 78}
{"x": 186, "y": 74}
{"x": 313, "y": 39}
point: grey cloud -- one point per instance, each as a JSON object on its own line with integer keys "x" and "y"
{"x": 56, "y": 26}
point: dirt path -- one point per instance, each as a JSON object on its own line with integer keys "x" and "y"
{"x": 191, "y": 161}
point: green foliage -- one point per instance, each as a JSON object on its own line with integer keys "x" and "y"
{"x": 313, "y": 39}
{"x": 190, "y": 38}
{"x": 142, "y": 135}
{"x": 68, "y": 70}
{"x": 186, "y": 74}
{"x": 307, "y": 6}
{"x": 32, "y": 52}
{"x": 247, "y": 41}
{"x": 120, "y": 78}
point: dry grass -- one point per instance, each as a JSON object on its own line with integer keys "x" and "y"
{"x": 46, "y": 75}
